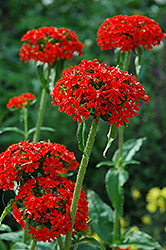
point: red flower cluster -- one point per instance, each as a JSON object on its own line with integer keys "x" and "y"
{"x": 47, "y": 202}
{"x": 24, "y": 160}
{"x": 20, "y": 101}
{"x": 129, "y": 32}
{"x": 47, "y": 44}
{"x": 44, "y": 195}
{"x": 93, "y": 88}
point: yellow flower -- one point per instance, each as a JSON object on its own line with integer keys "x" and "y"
{"x": 146, "y": 219}
{"x": 163, "y": 192}
{"x": 161, "y": 204}
{"x": 132, "y": 247}
{"x": 135, "y": 193}
{"x": 151, "y": 207}
{"x": 153, "y": 194}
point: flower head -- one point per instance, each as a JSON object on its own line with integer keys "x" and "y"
{"x": 20, "y": 101}
{"x": 129, "y": 33}
{"x": 47, "y": 44}
{"x": 93, "y": 88}
{"x": 23, "y": 161}
{"x": 48, "y": 207}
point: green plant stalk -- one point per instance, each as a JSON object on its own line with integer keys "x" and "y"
{"x": 80, "y": 177}
{"x": 33, "y": 245}
{"x": 60, "y": 243}
{"x": 25, "y": 117}
{"x": 40, "y": 115}
{"x": 25, "y": 232}
{"x": 121, "y": 140}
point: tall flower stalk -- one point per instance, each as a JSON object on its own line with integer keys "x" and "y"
{"x": 80, "y": 177}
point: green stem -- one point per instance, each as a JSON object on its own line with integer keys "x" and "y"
{"x": 121, "y": 143}
{"x": 33, "y": 245}
{"x": 80, "y": 177}
{"x": 25, "y": 232}
{"x": 40, "y": 115}
{"x": 60, "y": 243}
{"x": 121, "y": 139}
{"x": 25, "y": 117}
{"x": 126, "y": 61}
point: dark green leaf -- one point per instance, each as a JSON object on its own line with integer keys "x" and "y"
{"x": 80, "y": 136}
{"x": 114, "y": 185}
{"x": 112, "y": 133}
{"x": 6, "y": 210}
{"x": 130, "y": 147}
{"x": 2, "y": 245}
{"x": 12, "y": 129}
{"x": 102, "y": 217}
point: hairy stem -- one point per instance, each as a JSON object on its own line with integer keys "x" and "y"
{"x": 33, "y": 245}
{"x": 25, "y": 117}
{"x": 80, "y": 177}
{"x": 60, "y": 243}
{"x": 121, "y": 140}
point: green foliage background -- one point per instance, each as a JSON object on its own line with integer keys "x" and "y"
{"x": 85, "y": 17}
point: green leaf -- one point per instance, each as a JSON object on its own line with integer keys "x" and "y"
{"x": 12, "y": 129}
{"x": 45, "y": 245}
{"x": 142, "y": 241}
{"x": 30, "y": 131}
{"x": 6, "y": 210}
{"x": 87, "y": 246}
{"x": 105, "y": 163}
{"x": 40, "y": 72}
{"x": 112, "y": 133}
{"x": 19, "y": 246}
{"x": 130, "y": 147}
{"x": 2, "y": 245}
{"x": 137, "y": 63}
{"x": 102, "y": 217}
{"x": 114, "y": 185}
{"x": 80, "y": 136}
{"x": 90, "y": 240}
{"x": 12, "y": 236}
{"x": 4, "y": 227}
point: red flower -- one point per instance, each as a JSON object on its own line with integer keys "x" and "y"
{"x": 129, "y": 32}
{"x": 47, "y": 44}
{"x": 49, "y": 208}
{"x": 123, "y": 249}
{"x": 20, "y": 101}
{"x": 20, "y": 162}
{"x": 17, "y": 215}
{"x": 93, "y": 88}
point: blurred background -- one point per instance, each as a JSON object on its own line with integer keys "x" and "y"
{"x": 16, "y": 77}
